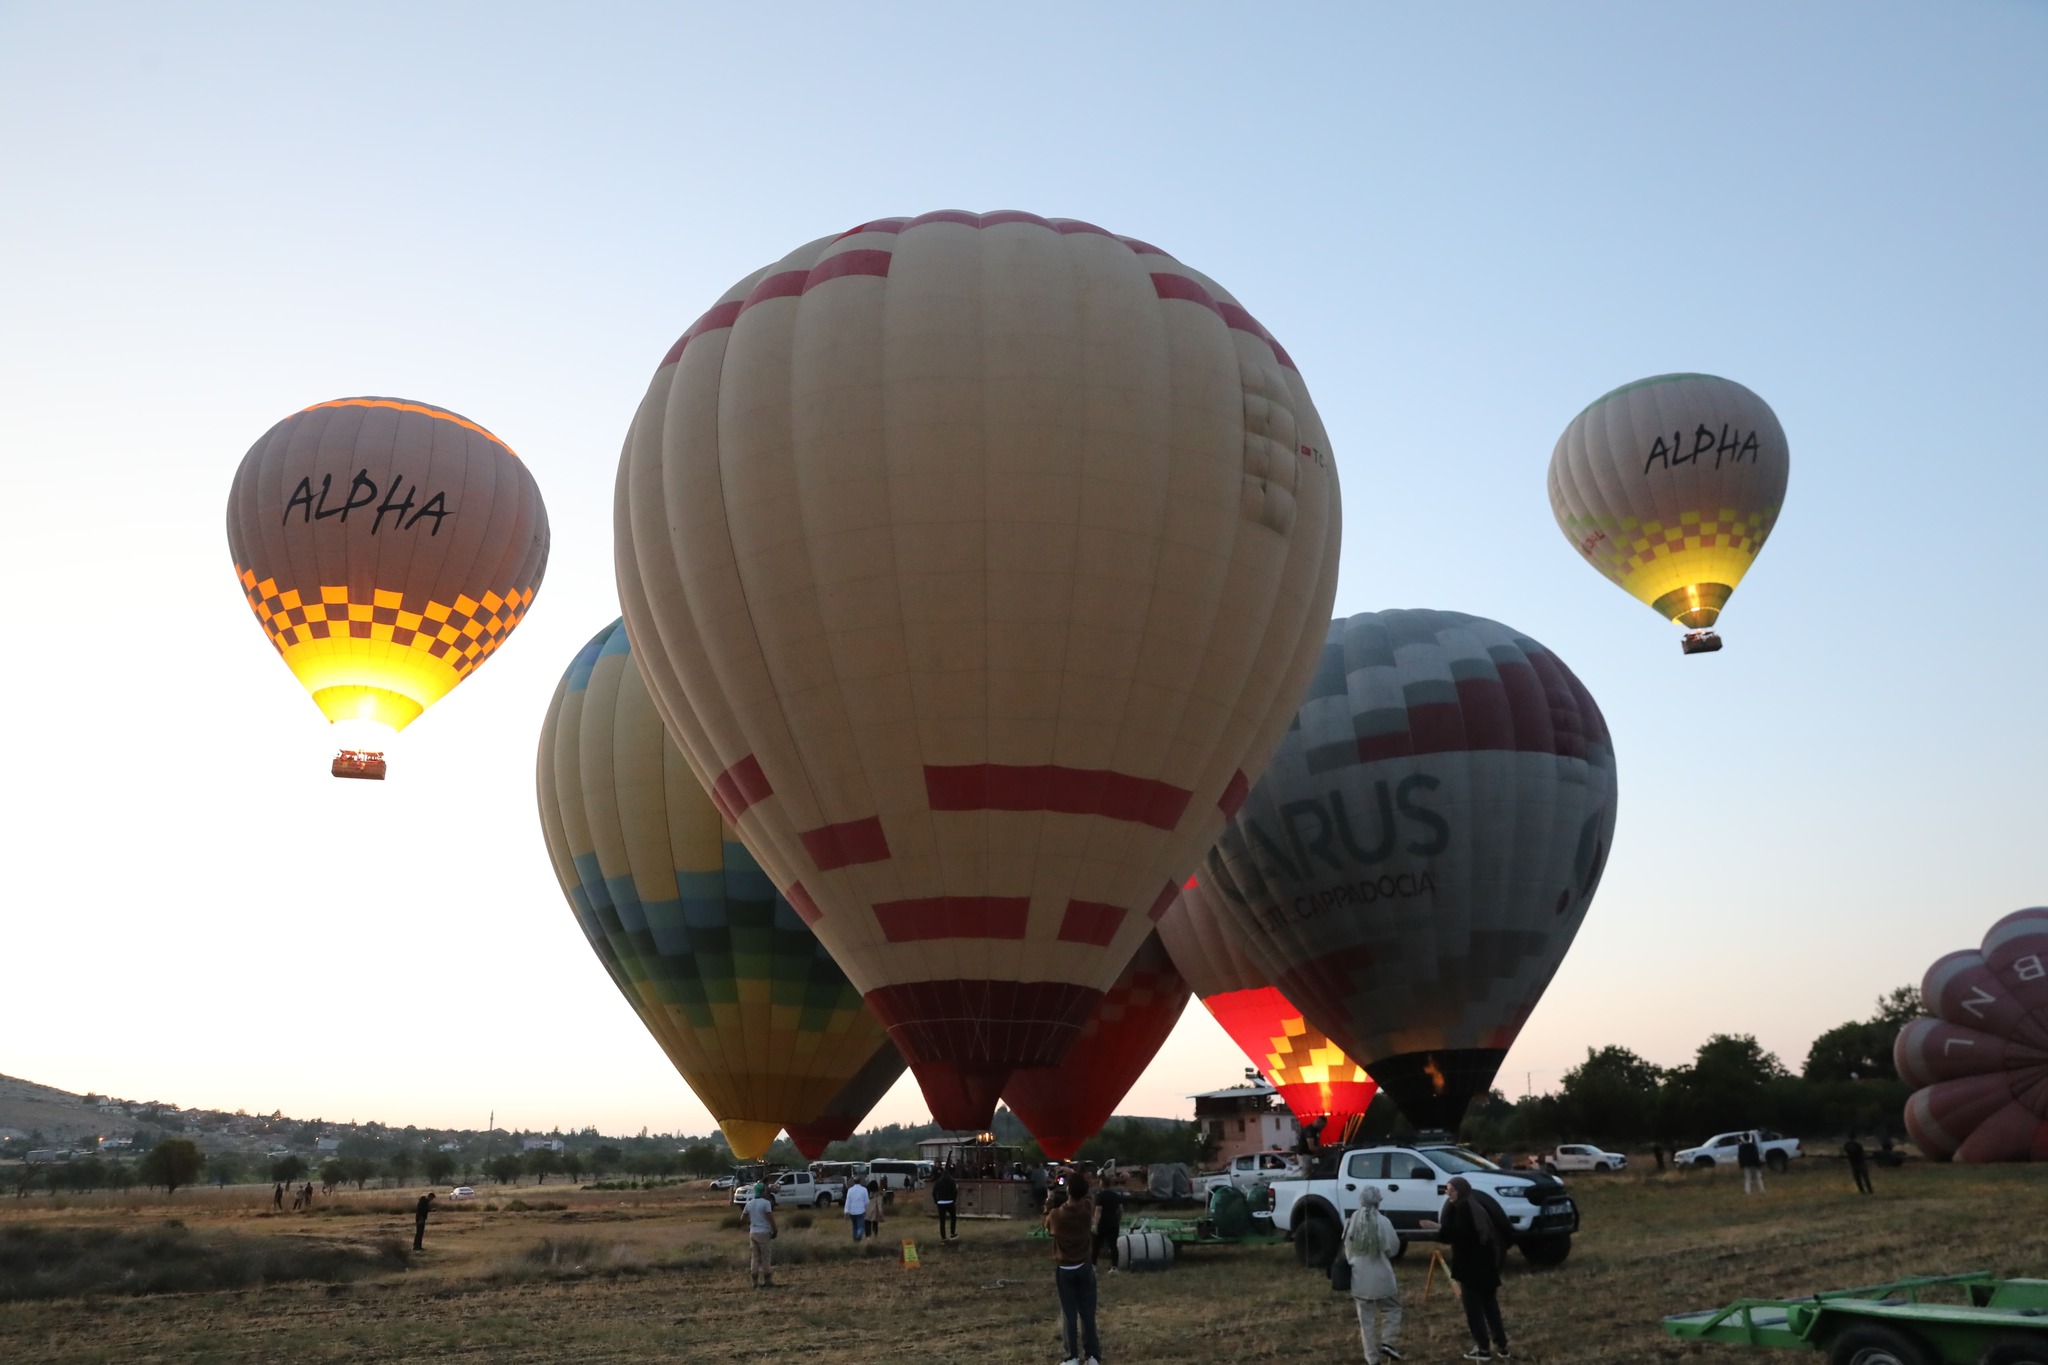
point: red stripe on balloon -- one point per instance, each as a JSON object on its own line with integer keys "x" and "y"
{"x": 806, "y": 908}
{"x": 930, "y": 917}
{"x": 1234, "y": 794}
{"x": 845, "y": 844}
{"x": 739, "y": 787}
{"x": 783, "y": 285}
{"x": 1091, "y": 922}
{"x": 719, "y": 317}
{"x": 861, "y": 262}
{"x": 1169, "y": 286}
{"x": 1052, "y": 787}
{"x": 1164, "y": 899}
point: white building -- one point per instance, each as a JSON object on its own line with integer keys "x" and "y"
{"x": 538, "y": 1144}
{"x": 1241, "y": 1119}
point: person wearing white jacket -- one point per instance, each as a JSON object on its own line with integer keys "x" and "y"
{"x": 1369, "y": 1243}
{"x": 857, "y": 1208}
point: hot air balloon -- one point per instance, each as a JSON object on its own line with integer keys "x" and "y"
{"x": 1063, "y": 1106}
{"x": 1311, "y": 1074}
{"x": 975, "y": 562}
{"x": 1982, "y": 1060}
{"x": 388, "y": 548}
{"x": 1669, "y": 486}
{"x": 740, "y": 995}
{"x": 1428, "y": 838}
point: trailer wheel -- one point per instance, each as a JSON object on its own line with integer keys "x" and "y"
{"x": 2015, "y": 1351}
{"x": 1315, "y": 1242}
{"x": 1868, "y": 1344}
{"x": 1777, "y": 1161}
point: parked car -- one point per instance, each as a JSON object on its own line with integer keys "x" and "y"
{"x": 724, "y": 1182}
{"x": 1251, "y": 1169}
{"x": 1577, "y": 1156}
{"x": 1413, "y": 1182}
{"x": 1720, "y": 1150}
{"x": 462, "y": 1192}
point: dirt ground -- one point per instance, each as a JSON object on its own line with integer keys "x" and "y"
{"x": 602, "y": 1276}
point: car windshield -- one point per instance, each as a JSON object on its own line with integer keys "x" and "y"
{"x": 1457, "y": 1160}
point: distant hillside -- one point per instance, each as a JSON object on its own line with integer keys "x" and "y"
{"x": 59, "y": 1115}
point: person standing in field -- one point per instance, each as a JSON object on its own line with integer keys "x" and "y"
{"x": 1107, "y": 1224}
{"x": 1072, "y": 1225}
{"x": 857, "y": 1208}
{"x": 945, "y": 1199}
{"x": 760, "y": 1216}
{"x": 876, "y": 1191}
{"x": 419, "y": 1220}
{"x": 1370, "y": 1242}
{"x": 1657, "y": 1151}
{"x": 1751, "y": 1159}
{"x": 277, "y": 1197}
{"x": 1477, "y": 1250}
{"x": 1859, "y": 1165}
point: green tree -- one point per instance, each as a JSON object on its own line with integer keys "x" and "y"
{"x": 288, "y": 1170}
{"x": 171, "y": 1163}
{"x": 543, "y": 1162}
{"x": 1862, "y": 1049}
{"x": 440, "y": 1166}
{"x": 701, "y": 1158}
{"x": 572, "y": 1165}
{"x": 605, "y": 1157}
{"x": 1611, "y": 1096}
{"x": 333, "y": 1172}
{"x": 1725, "y": 1087}
{"x": 505, "y": 1169}
{"x": 403, "y": 1162}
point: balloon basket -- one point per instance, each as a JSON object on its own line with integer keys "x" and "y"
{"x": 359, "y": 763}
{"x": 1700, "y": 642}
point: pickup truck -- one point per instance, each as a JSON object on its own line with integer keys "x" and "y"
{"x": 1720, "y": 1150}
{"x": 803, "y": 1190}
{"x": 1577, "y": 1156}
{"x": 1413, "y": 1182}
{"x": 1251, "y": 1169}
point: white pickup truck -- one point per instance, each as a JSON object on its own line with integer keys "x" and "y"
{"x": 1577, "y": 1156}
{"x": 1413, "y": 1182}
{"x": 1777, "y": 1150}
{"x": 801, "y": 1189}
{"x": 1250, "y": 1170}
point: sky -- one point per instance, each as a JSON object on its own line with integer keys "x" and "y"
{"x": 1464, "y": 223}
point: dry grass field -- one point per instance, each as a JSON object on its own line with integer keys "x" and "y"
{"x": 601, "y": 1276}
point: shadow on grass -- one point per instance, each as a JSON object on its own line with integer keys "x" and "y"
{"x": 167, "y": 1258}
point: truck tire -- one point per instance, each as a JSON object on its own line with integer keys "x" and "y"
{"x": 1547, "y": 1251}
{"x": 1602, "y": 1166}
{"x": 824, "y": 1202}
{"x": 1870, "y": 1344}
{"x": 1777, "y": 1161}
{"x": 2016, "y": 1351}
{"x": 1315, "y": 1241}
{"x": 1703, "y": 1163}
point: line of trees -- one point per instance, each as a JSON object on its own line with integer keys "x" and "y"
{"x": 1847, "y": 1086}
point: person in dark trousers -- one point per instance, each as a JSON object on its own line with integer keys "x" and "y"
{"x": 1657, "y": 1150}
{"x": 946, "y": 1199}
{"x": 1108, "y": 1223}
{"x": 1038, "y": 1180}
{"x": 277, "y": 1197}
{"x": 1859, "y": 1165}
{"x": 1478, "y": 1249}
{"x": 1072, "y": 1226}
{"x": 419, "y": 1220}
{"x": 1751, "y": 1159}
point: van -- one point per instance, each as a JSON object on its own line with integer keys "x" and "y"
{"x": 893, "y": 1174}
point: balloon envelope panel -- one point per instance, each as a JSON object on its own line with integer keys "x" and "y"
{"x": 388, "y": 547}
{"x": 1669, "y": 487}
{"x": 741, "y": 996}
{"x": 1313, "y": 1076}
{"x": 1423, "y": 847}
{"x": 976, "y": 562}
{"x": 1063, "y": 1106}
{"x": 1981, "y": 1061}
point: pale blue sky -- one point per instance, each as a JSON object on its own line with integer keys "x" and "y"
{"x": 1463, "y": 222}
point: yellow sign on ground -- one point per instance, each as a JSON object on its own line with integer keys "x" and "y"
{"x": 909, "y": 1254}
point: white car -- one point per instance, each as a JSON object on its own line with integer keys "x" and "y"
{"x": 462, "y": 1192}
{"x": 1577, "y": 1156}
{"x": 1722, "y": 1149}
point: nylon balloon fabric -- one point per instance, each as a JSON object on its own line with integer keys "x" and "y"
{"x": 1312, "y": 1075}
{"x": 1063, "y": 1106}
{"x": 1669, "y": 487}
{"x": 388, "y": 548}
{"x": 1416, "y": 860}
{"x": 741, "y": 996}
{"x": 976, "y": 562}
{"x": 1981, "y": 1061}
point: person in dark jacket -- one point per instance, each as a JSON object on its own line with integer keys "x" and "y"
{"x": 1478, "y": 1250}
{"x": 1751, "y": 1159}
{"x": 1108, "y": 1223}
{"x": 946, "y": 1199}
{"x": 1072, "y": 1228}
{"x": 419, "y": 1220}
{"x": 1859, "y": 1165}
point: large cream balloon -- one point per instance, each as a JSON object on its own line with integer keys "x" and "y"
{"x": 1669, "y": 486}
{"x": 977, "y": 563}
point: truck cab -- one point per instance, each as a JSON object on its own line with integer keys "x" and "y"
{"x": 1250, "y": 1170}
{"x": 803, "y": 1190}
{"x": 1414, "y": 1182}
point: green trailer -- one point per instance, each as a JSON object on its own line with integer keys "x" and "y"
{"x": 1973, "y": 1319}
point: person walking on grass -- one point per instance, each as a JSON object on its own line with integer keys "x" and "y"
{"x": 277, "y": 1197}
{"x": 419, "y": 1220}
{"x": 857, "y": 1208}
{"x": 945, "y": 1199}
{"x": 1751, "y": 1160}
{"x": 876, "y": 1192}
{"x": 1478, "y": 1248}
{"x": 1072, "y": 1226}
{"x": 1859, "y": 1165}
{"x": 1370, "y": 1243}
{"x": 760, "y": 1216}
